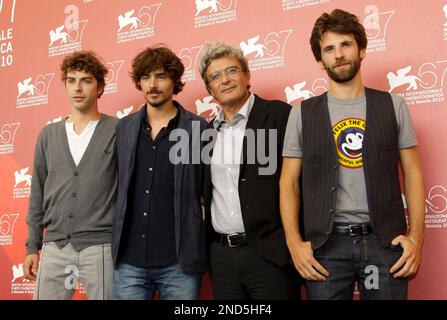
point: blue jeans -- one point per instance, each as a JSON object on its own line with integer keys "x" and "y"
{"x": 360, "y": 258}
{"x": 137, "y": 283}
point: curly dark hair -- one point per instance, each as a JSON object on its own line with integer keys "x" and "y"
{"x": 158, "y": 57}
{"x": 337, "y": 21}
{"x": 87, "y": 61}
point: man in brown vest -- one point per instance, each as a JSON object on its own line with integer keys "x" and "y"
{"x": 345, "y": 145}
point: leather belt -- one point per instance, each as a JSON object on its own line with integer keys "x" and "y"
{"x": 353, "y": 229}
{"x": 233, "y": 240}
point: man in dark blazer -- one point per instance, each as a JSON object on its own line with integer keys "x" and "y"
{"x": 158, "y": 231}
{"x": 248, "y": 255}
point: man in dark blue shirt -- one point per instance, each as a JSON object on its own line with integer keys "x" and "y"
{"x": 158, "y": 232}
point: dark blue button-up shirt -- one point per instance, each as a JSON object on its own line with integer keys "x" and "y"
{"x": 149, "y": 227}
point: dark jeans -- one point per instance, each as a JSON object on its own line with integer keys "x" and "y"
{"x": 361, "y": 258}
{"x": 240, "y": 274}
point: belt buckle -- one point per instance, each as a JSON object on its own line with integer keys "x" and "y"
{"x": 357, "y": 230}
{"x": 353, "y": 230}
{"x": 230, "y": 244}
{"x": 364, "y": 229}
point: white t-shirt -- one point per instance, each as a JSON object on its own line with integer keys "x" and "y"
{"x": 78, "y": 143}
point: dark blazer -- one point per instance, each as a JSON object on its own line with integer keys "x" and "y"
{"x": 189, "y": 224}
{"x": 259, "y": 194}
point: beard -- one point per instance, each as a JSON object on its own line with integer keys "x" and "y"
{"x": 159, "y": 101}
{"x": 342, "y": 76}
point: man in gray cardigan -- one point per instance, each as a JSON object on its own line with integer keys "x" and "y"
{"x": 73, "y": 191}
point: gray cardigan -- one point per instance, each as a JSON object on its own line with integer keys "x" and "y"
{"x": 72, "y": 203}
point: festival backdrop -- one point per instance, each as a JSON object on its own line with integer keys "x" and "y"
{"x": 406, "y": 55}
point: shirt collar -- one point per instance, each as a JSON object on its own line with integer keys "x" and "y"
{"x": 243, "y": 112}
{"x": 173, "y": 123}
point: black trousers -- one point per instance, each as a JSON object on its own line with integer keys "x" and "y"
{"x": 241, "y": 274}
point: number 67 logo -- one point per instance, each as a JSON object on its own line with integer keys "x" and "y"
{"x": 7, "y": 223}
{"x": 8, "y": 133}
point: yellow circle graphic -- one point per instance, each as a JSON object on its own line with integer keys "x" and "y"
{"x": 348, "y": 135}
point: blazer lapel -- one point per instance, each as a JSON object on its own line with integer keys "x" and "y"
{"x": 257, "y": 114}
{"x": 256, "y": 120}
{"x": 207, "y": 185}
{"x": 132, "y": 132}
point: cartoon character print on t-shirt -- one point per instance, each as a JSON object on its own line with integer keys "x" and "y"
{"x": 348, "y": 135}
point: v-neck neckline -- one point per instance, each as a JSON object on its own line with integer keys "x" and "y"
{"x": 85, "y": 131}
{"x": 89, "y": 148}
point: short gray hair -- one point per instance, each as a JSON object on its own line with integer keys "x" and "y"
{"x": 216, "y": 50}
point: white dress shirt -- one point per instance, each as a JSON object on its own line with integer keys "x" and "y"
{"x": 226, "y": 214}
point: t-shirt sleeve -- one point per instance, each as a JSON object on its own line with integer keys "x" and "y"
{"x": 407, "y": 134}
{"x": 293, "y": 140}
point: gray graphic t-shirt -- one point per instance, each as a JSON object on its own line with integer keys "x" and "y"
{"x": 348, "y": 120}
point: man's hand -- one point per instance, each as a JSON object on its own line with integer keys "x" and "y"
{"x": 31, "y": 266}
{"x": 409, "y": 262}
{"x": 305, "y": 263}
